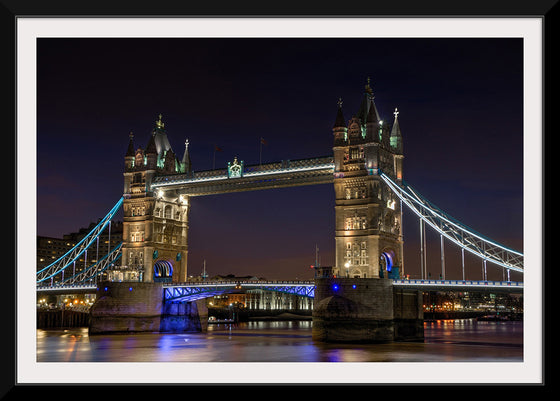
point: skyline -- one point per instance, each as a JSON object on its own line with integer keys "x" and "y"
{"x": 460, "y": 104}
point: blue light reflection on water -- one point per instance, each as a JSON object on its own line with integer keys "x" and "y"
{"x": 285, "y": 341}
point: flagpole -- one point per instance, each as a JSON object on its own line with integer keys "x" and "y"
{"x": 214, "y": 159}
{"x": 260, "y": 152}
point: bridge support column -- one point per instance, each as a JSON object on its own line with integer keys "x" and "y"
{"x": 365, "y": 311}
{"x": 184, "y": 317}
{"x": 125, "y": 307}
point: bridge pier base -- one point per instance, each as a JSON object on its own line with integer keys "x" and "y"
{"x": 126, "y": 307}
{"x": 129, "y": 307}
{"x": 365, "y": 311}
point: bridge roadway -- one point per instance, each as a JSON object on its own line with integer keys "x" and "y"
{"x": 191, "y": 291}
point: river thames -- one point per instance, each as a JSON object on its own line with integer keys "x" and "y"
{"x": 465, "y": 340}
{"x": 267, "y": 352}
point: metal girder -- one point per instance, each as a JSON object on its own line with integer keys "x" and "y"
{"x": 192, "y": 292}
{"x": 301, "y": 290}
{"x": 187, "y": 293}
{"x": 454, "y": 231}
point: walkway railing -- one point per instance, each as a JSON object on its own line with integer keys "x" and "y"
{"x": 468, "y": 285}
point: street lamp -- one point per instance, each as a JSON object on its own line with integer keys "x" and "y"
{"x": 347, "y": 265}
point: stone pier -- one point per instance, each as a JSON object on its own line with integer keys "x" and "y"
{"x": 139, "y": 307}
{"x": 365, "y": 311}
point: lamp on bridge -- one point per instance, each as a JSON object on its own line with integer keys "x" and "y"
{"x": 347, "y": 265}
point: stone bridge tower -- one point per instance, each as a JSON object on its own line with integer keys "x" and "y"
{"x": 368, "y": 215}
{"x": 155, "y": 224}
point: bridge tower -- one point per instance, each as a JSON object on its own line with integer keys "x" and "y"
{"x": 368, "y": 215}
{"x": 155, "y": 223}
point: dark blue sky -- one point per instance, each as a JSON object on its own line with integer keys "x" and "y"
{"x": 461, "y": 116}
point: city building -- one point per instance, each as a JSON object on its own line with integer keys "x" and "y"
{"x": 50, "y": 249}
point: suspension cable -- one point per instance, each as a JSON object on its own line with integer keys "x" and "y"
{"x": 454, "y": 231}
{"x": 69, "y": 257}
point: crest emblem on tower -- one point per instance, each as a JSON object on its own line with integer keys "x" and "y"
{"x": 235, "y": 169}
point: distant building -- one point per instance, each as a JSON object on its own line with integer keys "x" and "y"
{"x": 49, "y": 249}
{"x": 231, "y": 277}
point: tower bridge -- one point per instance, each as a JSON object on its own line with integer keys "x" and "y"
{"x": 366, "y": 169}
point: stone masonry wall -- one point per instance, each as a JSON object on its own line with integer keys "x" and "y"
{"x": 353, "y": 310}
{"x": 126, "y": 307}
{"x": 366, "y": 311}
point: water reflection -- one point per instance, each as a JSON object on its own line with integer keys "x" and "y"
{"x": 285, "y": 341}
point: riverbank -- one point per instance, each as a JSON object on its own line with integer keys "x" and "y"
{"x": 482, "y": 316}
{"x": 61, "y": 318}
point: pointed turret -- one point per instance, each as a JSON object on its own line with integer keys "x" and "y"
{"x": 151, "y": 147}
{"x": 373, "y": 114}
{"x": 363, "y": 110}
{"x": 373, "y": 123}
{"x": 340, "y": 130}
{"x": 129, "y": 156}
{"x": 396, "y": 137}
{"x": 339, "y": 121}
{"x": 130, "y": 150}
{"x": 367, "y": 110}
{"x": 186, "y": 162}
{"x": 151, "y": 152}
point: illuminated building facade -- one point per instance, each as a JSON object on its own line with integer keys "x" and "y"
{"x": 368, "y": 215}
{"x": 155, "y": 223}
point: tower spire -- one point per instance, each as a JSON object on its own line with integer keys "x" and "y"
{"x": 368, "y": 87}
{"x": 339, "y": 122}
{"x": 130, "y": 150}
{"x": 365, "y": 113}
{"x": 396, "y": 137}
{"x": 187, "y": 158}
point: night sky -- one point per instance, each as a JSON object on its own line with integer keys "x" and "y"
{"x": 461, "y": 116}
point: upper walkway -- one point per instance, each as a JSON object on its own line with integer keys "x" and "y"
{"x": 286, "y": 173}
